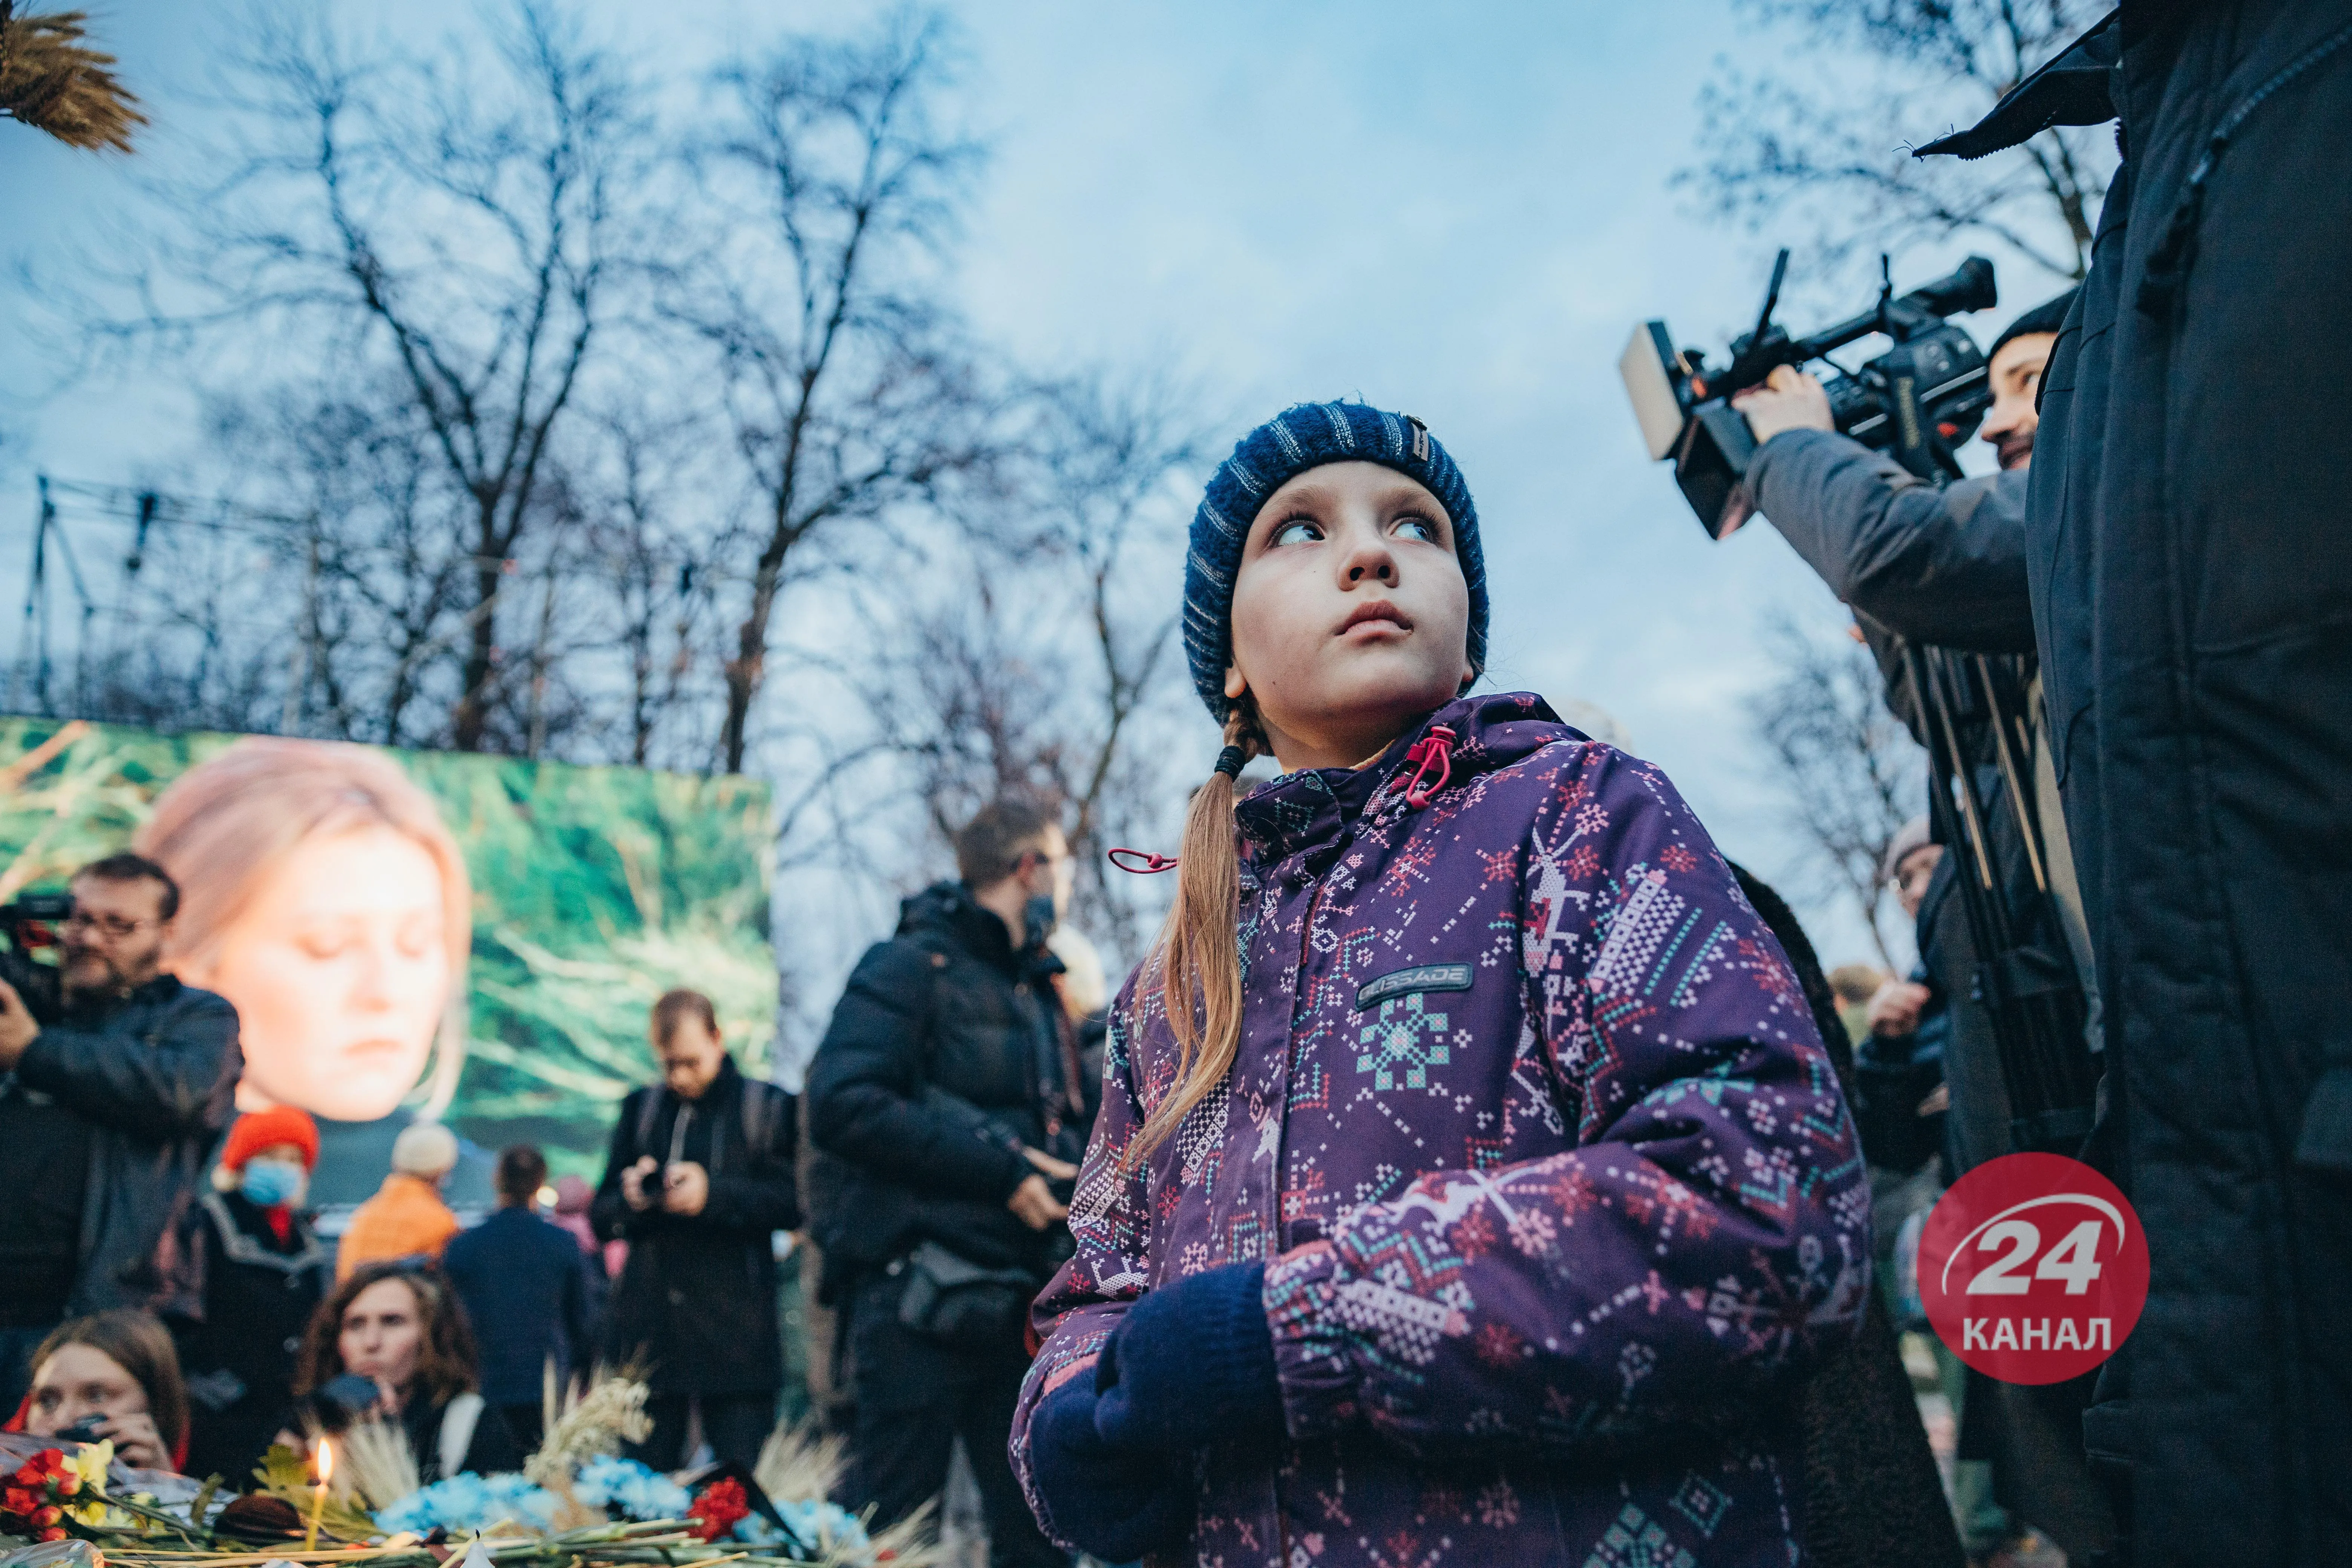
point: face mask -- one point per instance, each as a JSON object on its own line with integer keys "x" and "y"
{"x": 1037, "y": 919}
{"x": 270, "y": 1183}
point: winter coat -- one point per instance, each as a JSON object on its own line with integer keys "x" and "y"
{"x": 2190, "y": 578}
{"x": 946, "y": 1057}
{"x": 237, "y": 1300}
{"x": 695, "y": 1303}
{"x": 406, "y": 1219}
{"x": 154, "y": 1074}
{"x": 1943, "y": 565}
{"x": 525, "y": 1286}
{"x": 1557, "y": 1187}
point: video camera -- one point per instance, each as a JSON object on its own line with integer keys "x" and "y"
{"x": 1917, "y": 402}
{"x": 28, "y": 924}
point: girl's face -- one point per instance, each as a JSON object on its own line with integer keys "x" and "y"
{"x": 1352, "y": 619}
{"x": 383, "y": 1334}
{"x": 340, "y": 973}
{"x": 78, "y": 1380}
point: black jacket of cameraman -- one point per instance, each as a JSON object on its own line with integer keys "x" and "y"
{"x": 154, "y": 1077}
{"x": 944, "y": 1058}
{"x": 696, "y": 1302}
{"x": 1943, "y": 565}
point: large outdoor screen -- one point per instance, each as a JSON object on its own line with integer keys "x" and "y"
{"x": 409, "y": 933}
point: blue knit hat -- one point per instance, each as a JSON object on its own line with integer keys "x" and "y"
{"x": 1308, "y": 436}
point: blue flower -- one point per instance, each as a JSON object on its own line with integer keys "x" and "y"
{"x": 467, "y": 1502}
{"x": 637, "y": 1490}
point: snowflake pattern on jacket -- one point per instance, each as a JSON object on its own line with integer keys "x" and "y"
{"x": 1554, "y": 1180}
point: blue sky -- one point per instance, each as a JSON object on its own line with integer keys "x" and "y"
{"x": 1460, "y": 212}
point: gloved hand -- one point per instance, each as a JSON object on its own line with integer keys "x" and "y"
{"x": 1117, "y": 1503}
{"x": 1192, "y": 1363}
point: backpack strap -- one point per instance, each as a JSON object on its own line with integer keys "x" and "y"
{"x": 458, "y": 1419}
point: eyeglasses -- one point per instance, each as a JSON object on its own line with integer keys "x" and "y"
{"x": 111, "y": 926}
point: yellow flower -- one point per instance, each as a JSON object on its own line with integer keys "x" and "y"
{"x": 93, "y": 1514}
{"x": 89, "y": 1467}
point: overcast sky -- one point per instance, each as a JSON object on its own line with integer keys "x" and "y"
{"x": 1459, "y": 212}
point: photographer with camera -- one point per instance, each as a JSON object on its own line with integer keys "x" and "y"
{"x": 698, "y": 1180}
{"x": 1942, "y": 565}
{"x": 120, "y": 1080}
{"x": 948, "y": 1107}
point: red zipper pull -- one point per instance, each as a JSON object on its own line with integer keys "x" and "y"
{"x": 1434, "y": 750}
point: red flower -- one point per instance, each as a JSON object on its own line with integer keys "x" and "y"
{"x": 47, "y": 1518}
{"x": 716, "y": 1510}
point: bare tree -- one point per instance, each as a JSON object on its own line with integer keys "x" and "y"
{"x": 1832, "y": 144}
{"x": 846, "y": 387}
{"x": 450, "y": 226}
{"x": 1850, "y": 772}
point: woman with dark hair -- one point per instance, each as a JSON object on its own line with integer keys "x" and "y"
{"x": 399, "y": 1326}
{"x": 118, "y": 1372}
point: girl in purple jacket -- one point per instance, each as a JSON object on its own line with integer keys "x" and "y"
{"x": 1471, "y": 1185}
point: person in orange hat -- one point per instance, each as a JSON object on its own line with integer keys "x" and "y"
{"x": 243, "y": 1273}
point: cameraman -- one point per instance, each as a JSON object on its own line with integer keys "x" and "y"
{"x": 1946, "y": 566}
{"x": 1943, "y": 565}
{"x": 117, "y": 1088}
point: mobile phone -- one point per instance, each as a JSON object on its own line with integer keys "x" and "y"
{"x": 351, "y": 1393}
{"x": 86, "y": 1430}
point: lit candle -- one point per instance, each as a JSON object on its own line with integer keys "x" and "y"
{"x": 323, "y": 1460}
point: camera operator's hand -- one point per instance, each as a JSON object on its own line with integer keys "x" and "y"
{"x": 632, "y": 1184}
{"x": 1894, "y": 1008}
{"x": 1034, "y": 1204}
{"x": 18, "y": 1028}
{"x": 686, "y": 1188}
{"x": 1789, "y": 400}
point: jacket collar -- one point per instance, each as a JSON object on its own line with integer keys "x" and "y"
{"x": 949, "y": 908}
{"x": 1312, "y": 809}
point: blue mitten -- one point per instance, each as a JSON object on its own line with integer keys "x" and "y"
{"x": 1192, "y": 1363}
{"x": 1117, "y": 1504}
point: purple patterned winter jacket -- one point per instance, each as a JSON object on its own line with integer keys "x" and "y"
{"x": 1555, "y": 1183}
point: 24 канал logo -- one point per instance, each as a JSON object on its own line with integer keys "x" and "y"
{"x": 2032, "y": 1269}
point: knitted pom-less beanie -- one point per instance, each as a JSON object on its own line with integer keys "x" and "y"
{"x": 1297, "y": 439}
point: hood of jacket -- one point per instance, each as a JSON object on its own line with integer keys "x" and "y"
{"x": 1311, "y": 811}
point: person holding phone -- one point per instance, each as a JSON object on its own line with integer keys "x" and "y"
{"x": 698, "y": 1180}
{"x": 393, "y": 1344}
{"x": 113, "y": 1377}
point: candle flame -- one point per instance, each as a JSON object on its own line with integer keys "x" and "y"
{"x": 325, "y": 1461}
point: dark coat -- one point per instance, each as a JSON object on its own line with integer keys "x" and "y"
{"x": 944, "y": 1058}
{"x": 238, "y": 1301}
{"x": 155, "y": 1076}
{"x": 2190, "y": 582}
{"x": 1943, "y": 565}
{"x": 696, "y": 1299}
{"x": 525, "y": 1287}
{"x": 1534, "y": 1127}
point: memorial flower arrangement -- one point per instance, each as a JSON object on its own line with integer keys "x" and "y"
{"x": 577, "y": 1504}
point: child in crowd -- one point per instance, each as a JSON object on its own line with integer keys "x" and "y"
{"x": 1471, "y": 1185}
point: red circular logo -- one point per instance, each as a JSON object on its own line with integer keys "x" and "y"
{"x": 2032, "y": 1269}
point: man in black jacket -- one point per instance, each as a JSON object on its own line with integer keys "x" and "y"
{"x": 946, "y": 1103}
{"x": 117, "y": 1088}
{"x": 1946, "y": 565}
{"x": 698, "y": 1181}
{"x": 2190, "y": 582}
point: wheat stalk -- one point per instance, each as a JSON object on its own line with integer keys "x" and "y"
{"x": 51, "y": 80}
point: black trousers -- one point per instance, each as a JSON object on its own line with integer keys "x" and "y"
{"x": 914, "y": 1398}
{"x": 734, "y": 1424}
